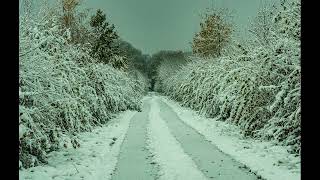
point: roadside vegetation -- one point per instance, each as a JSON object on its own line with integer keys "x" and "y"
{"x": 73, "y": 76}
{"x": 254, "y": 84}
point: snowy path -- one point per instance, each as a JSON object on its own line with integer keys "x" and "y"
{"x": 212, "y": 162}
{"x": 172, "y": 160}
{"x": 166, "y": 142}
{"x": 134, "y": 159}
{"x": 271, "y": 161}
{"x": 178, "y": 151}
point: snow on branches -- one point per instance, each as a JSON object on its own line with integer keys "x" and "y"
{"x": 258, "y": 90}
{"x": 63, "y": 90}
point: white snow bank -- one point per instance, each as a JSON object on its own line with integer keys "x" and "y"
{"x": 174, "y": 163}
{"x": 96, "y": 158}
{"x": 266, "y": 159}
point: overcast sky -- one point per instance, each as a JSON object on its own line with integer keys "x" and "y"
{"x": 153, "y": 25}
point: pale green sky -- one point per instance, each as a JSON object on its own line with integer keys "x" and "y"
{"x": 153, "y": 25}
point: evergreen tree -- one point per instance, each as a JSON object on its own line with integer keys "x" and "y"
{"x": 105, "y": 46}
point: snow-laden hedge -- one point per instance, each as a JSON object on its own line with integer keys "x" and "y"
{"x": 169, "y": 64}
{"x": 63, "y": 91}
{"x": 258, "y": 90}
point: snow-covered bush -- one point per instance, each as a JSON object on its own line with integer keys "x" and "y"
{"x": 63, "y": 90}
{"x": 257, "y": 89}
{"x": 172, "y": 61}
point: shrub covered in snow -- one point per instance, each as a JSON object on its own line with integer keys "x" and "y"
{"x": 163, "y": 64}
{"x": 63, "y": 90}
{"x": 169, "y": 65}
{"x": 257, "y": 89}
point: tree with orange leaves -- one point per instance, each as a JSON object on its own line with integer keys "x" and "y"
{"x": 215, "y": 33}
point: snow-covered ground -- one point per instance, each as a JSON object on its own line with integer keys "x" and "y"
{"x": 173, "y": 162}
{"x": 270, "y": 161}
{"x": 96, "y": 158}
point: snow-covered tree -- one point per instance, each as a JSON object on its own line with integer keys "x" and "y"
{"x": 73, "y": 19}
{"x": 105, "y": 46}
{"x": 215, "y": 33}
{"x": 262, "y": 25}
{"x": 135, "y": 58}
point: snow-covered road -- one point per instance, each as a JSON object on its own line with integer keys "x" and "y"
{"x": 176, "y": 151}
{"x": 166, "y": 142}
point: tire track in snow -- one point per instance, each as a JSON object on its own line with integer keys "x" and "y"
{"x": 210, "y": 160}
{"x": 173, "y": 162}
{"x": 134, "y": 160}
{"x": 262, "y": 157}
